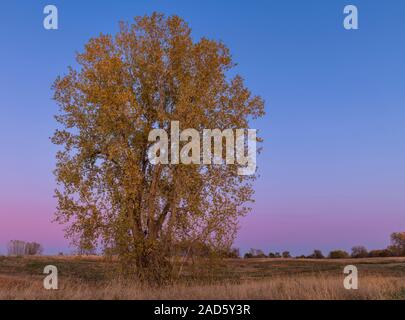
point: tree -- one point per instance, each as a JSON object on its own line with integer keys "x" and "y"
{"x": 398, "y": 243}
{"x": 338, "y": 254}
{"x": 109, "y": 195}
{"x": 359, "y": 252}
{"x": 21, "y": 248}
{"x": 233, "y": 253}
{"x": 33, "y": 248}
{"x": 257, "y": 253}
{"x": 380, "y": 253}
{"x": 317, "y": 254}
{"x": 286, "y": 254}
{"x": 16, "y": 248}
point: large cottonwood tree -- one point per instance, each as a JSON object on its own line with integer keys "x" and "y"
{"x": 150, "y": 73}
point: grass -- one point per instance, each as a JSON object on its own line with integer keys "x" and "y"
{"x": 93, "y": 278}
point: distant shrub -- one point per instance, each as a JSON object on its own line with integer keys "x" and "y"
{"x": 274, "y": 255}
{"x": 255, "y": 253}
{"x": 317, "y": 254}
{"x": 359, "y": 252}
{"x": 338, "y": 254}
{"x": 380, "y": 253}
{"x": 248, "y": 255}
{"x": 286, "y": 254}
{"x": 233, "y": 253}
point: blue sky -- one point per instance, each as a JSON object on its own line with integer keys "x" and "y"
{"x": 333, "y": 165}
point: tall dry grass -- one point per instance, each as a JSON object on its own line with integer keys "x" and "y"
{"x": 286, "y": 287}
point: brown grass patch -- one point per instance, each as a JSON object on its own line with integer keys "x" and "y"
{"x": 93, "y": 278}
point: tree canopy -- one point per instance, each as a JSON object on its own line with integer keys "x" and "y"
{"x": 109, "y": 195}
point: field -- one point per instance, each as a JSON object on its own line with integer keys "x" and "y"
{"x": 94, "y": 278}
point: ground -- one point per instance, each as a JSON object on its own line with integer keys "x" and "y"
{"x": 96, "y": 278}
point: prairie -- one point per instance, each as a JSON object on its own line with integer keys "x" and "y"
{"x": 94, "y": 278}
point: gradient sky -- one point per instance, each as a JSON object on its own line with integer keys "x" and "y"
{"x": 333, "y": 165}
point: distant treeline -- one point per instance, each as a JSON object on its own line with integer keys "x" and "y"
{"x": 396, "y": 249}
{"x": 184, "y": 248}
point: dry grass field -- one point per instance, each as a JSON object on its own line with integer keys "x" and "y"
{"x": 94, "y": 278}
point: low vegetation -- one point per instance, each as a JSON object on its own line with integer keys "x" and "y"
{"x": 94, "y": 277}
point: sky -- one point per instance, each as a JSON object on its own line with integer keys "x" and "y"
{"x": 332, "y": 170}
